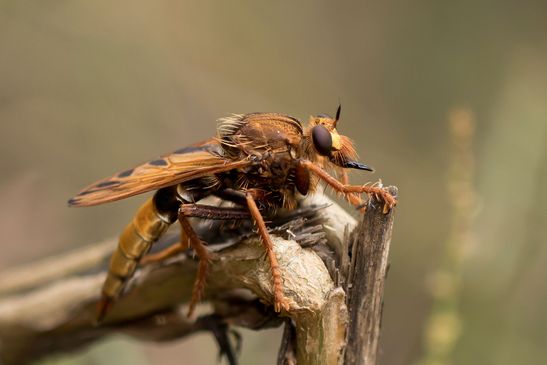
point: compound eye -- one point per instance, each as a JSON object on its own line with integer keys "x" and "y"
{"x": 322, "y": 140}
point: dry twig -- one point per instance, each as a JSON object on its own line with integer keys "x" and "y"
{"x": 52, "y": 312}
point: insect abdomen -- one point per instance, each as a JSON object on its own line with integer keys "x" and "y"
{"x": 147, "y": 226}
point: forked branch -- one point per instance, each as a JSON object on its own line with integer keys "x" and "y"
{"x": 55, "y": 312}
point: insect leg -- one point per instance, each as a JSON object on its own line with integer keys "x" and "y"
{"x": 388, "y": 199}
{"x": 168, "y": 252}
{"x": 279, "y": 298}
{"x": 353, "y": 198}
{"x": 199, "y": 211}
{"x": 212, "y": 212}
{"x": 204, "y": 257}
{"x": 209, "y": 212}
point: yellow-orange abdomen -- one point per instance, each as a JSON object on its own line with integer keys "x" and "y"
{"x": 136, "y": 239}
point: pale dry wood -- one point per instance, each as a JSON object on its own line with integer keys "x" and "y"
{"x": 48, "y": 270}
{"x": 56, "y": 313}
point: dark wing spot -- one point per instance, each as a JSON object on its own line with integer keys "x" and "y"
{"x": 126, "y": 173}
{"x": 73, "y": 201}
{"x": 188, "y": 149}
{"x": 159, "y": 162}
{"x": 106, "y": 184}
{"x": 85, "y": 192}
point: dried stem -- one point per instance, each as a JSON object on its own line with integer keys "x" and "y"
{"x": 365, "y": 284}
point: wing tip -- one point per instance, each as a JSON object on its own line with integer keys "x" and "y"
{"x": 77, "y": 201}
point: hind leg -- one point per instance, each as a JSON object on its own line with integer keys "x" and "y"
{"x": 199, "y": 211}
{"x": 204, "y": 258}
{"x": 189, "y": 237}
{"x": 168, "y": 252}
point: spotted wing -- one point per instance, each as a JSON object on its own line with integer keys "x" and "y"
{"x": 182, "y": 165}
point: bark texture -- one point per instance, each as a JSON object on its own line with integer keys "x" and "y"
{"x": 370, "y": 245}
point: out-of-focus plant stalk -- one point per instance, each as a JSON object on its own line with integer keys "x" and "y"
{"x": 444, "y": 325}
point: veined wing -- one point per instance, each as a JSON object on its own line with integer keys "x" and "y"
{"x": 182, "y": 165}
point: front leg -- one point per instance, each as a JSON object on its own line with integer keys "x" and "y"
{"x": 353, "y": 198}
{"x": 389, "y": 200}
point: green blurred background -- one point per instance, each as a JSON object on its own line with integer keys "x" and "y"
{"x": 90, "y": 88}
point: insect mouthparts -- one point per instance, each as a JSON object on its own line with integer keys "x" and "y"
{"x": 358, "y": 166}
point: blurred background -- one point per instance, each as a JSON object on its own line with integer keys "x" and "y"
{"x": 447, "y": 100}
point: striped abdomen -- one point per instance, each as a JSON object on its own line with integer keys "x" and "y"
{"x": 137, "y": 238}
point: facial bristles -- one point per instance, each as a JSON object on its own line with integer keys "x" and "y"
{"x": 345, "y": 153}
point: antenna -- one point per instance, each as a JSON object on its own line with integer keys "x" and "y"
{"x": 338, "y": 111}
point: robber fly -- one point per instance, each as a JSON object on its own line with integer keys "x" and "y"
{"x": 258, "y": 161}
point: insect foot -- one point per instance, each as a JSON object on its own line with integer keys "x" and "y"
{"x": 279, "y": 298}
{"x": 380, "y": 193}
{"x": 384, "y": 195}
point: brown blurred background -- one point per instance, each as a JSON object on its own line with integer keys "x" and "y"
{"x": 447, "y": 100}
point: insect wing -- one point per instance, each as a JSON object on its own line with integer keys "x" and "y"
{"x": 182, "y": 165}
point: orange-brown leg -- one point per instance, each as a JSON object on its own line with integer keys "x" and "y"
{"x": 389, "y": 200}
{"x": 203, "y": 211}
{"x": 204, "y": 257}
{"x": 200, "y": 211}
{"x": 279, "y": 299}
{"x": 353, "y": 198}
{"x": 168, "y": 252}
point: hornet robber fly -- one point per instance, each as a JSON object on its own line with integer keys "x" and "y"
{"x": 258, "y": 161}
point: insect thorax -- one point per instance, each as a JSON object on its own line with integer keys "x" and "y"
{"x": 243, "y": 135}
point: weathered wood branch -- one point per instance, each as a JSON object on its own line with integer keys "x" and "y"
{"x": 365, "y": 285}
{"x": 51, "y": 312}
